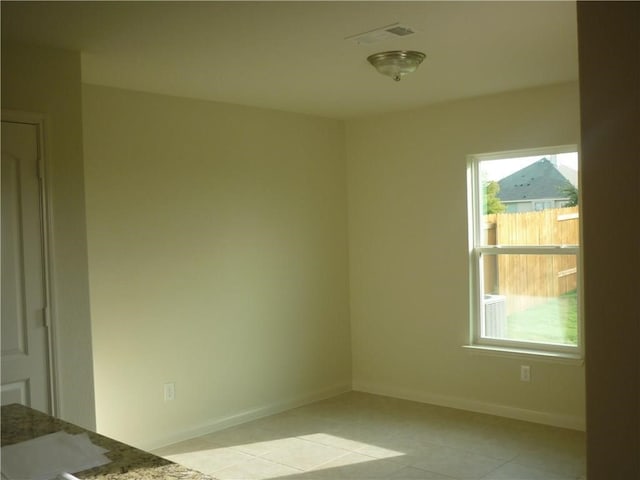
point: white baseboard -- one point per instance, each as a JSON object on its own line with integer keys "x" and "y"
{"x": 220, "y": 423}
{"x": 557, "y": 420}
{"x": 216, "y": 424}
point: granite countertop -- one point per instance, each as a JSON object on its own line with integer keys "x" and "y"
{"x": 20, "y": 423}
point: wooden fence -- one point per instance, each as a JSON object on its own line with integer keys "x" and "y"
{"x": 531, "y": 279}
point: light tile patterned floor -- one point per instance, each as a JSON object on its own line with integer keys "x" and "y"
{"x": 362, "y": 436}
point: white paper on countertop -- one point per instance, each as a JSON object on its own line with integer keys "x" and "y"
{"x": 66, "y": 476}
{"x": 46, "y": 457}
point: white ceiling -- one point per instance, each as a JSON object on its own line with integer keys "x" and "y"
{"x": 293, "y": 55}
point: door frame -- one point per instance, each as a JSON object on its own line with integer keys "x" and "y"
{"x": 40, "y": 121}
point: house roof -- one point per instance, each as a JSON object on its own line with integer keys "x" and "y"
{"x": 538, "y": 180}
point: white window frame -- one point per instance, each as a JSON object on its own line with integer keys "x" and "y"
{"x": 477, "y": 250}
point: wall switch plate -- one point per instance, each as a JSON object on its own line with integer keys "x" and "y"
{"x": 169, "y": 392}
{"x": 525, "y": 373}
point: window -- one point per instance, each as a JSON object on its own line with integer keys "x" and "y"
{"x": 524, "y": 251}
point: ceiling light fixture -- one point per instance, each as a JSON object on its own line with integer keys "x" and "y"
{"x": 396, "y": 64}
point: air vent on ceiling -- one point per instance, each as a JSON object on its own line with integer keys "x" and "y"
{"x": 383, "y": 33}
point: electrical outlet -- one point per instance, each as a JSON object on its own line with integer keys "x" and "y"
{"x": 169, "y": 392}
{"x": 525, "y": 373}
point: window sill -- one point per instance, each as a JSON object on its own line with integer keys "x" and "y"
{"x": 555, "y": 357}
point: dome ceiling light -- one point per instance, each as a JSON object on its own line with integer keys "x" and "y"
{"x": 397, "y": 63}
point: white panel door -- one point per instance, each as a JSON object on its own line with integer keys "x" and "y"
{"x": 25, "y": 356}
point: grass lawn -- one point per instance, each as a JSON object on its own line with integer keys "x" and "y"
{"x": 553, "y": 322}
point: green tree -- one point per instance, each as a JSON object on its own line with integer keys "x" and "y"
{"x": 571, "y": 192}
{"x": 492, "y": 203}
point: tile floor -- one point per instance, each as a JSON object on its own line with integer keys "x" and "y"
{"x": 363, "y": 436}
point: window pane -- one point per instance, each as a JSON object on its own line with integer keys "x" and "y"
{"x": 530, "y": 298}
{"x": 529, "y": 200}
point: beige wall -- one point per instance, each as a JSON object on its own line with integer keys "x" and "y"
{"x": 47, "y": 81}
{"x": 408, "y": 254}
{"x": 218, "y": 261}
{"x": 218, "y": 253}
{"x": 610, "y": 121}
